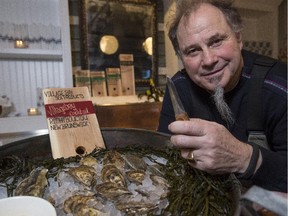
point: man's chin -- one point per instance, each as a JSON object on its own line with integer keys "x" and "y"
{"x": 215, "y": 82}
{"x": 213, "y": 87}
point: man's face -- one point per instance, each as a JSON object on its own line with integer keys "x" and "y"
{"x": 210, "y": 50}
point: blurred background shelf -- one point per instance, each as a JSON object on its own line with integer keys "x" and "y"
{"x": 28, "y": 54}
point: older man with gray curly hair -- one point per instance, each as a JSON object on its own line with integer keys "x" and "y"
{"x": 215, "y": 88}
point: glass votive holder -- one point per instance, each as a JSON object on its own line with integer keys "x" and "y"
{"x": 33, "y": 111}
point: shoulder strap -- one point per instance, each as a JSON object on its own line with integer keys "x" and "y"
{"x": 255, "y": 121}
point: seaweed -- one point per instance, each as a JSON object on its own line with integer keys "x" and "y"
{"x": 191, "y": 192}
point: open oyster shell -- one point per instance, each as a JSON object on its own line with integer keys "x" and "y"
{"x": 83, "y": 174}
{"x": 110, "y": 173}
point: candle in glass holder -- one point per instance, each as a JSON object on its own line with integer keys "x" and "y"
{"x": 20, "y": 44}
{"x": 33, "y": 111}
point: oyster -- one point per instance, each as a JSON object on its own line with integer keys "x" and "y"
{"x": 111, "y": 190}
{"x": 110, "y": 173}
{"x": 82, "y": 205}
{"x": 135, "y": 162}
{"x": 136, "y": 176}
{"x": 89, "y": 161}
{"x": 84, "y": 174}
{"x": 114, "y": 157}
{"x": 136, "y": 208}
{"x": 85, "y": 210}
{"x": 34, "y": 184}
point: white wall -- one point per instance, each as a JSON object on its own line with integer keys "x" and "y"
{"x": 23, "y": 72}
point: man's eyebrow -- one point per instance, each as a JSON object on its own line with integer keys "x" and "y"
{"x": 217, "y": 36}
{"x": 209, "y": 41}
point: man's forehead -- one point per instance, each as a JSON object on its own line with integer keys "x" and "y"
{"x": 205, "y": 12}
{"x": 206, "y": 18}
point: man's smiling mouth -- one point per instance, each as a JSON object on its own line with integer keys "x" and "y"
{"x": 212, "y": 73}
{"x": 217, "y": 71}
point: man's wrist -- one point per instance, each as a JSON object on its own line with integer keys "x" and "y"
{"x": 253, "y": 165}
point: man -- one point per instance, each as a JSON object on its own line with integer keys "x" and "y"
{"x": 214, "y": 87}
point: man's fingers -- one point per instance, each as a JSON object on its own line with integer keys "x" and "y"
{"x": 184, "y": 141}
{"x": 193, "y": 127}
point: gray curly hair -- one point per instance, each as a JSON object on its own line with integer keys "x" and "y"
{"x": 185, "y": 7}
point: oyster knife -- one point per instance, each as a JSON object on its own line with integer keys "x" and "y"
{"x": 180, "y": 113}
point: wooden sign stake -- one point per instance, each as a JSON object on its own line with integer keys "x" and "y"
{"x": 72, "y": 122}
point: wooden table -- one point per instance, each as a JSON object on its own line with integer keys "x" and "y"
{"x": 134, "y": 115}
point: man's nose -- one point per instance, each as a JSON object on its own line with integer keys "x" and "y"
{"x": 209, "y": 57}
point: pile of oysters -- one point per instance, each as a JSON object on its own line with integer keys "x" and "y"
{"x": 116, "y": 184}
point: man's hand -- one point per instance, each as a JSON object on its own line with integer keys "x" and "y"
{"x": 215, "y": 149}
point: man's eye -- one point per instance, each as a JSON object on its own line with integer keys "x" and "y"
{"x": 192, "y": 52}
{"x": 216, "y": 43}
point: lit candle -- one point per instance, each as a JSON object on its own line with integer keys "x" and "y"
{"x": 33, "y": 111}
{"x": 20, "y": 44}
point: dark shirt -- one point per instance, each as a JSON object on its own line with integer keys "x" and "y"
{"x": 272, "y": 174}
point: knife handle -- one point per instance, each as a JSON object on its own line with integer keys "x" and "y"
{"x": 182, "y": 117}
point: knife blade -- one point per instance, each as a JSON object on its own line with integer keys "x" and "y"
{"x": 180, "y": 113}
